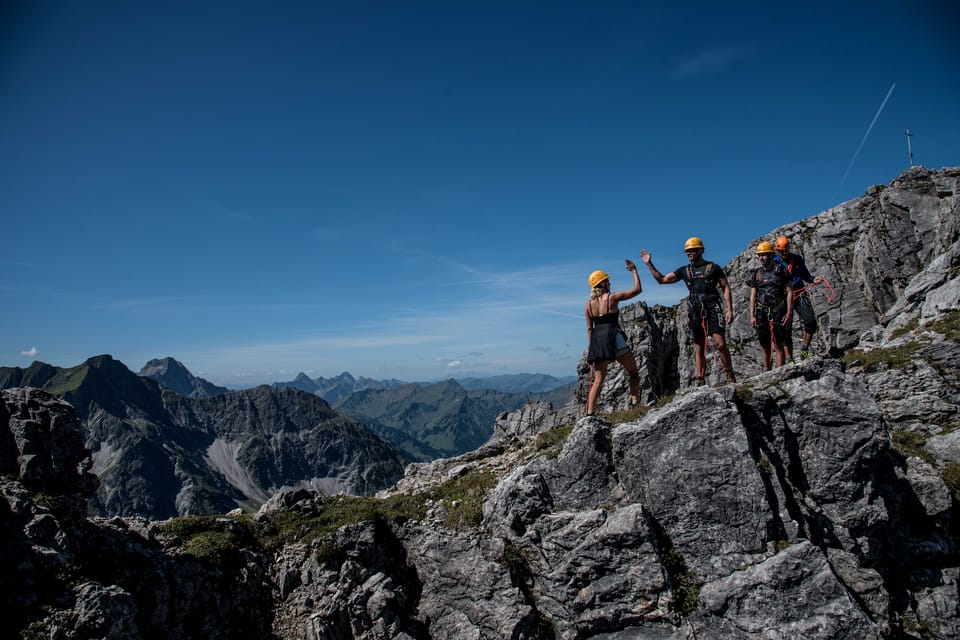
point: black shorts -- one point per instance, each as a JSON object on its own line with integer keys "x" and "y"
{"x": 767, "y": 317}
{"x": 709, "y": 314}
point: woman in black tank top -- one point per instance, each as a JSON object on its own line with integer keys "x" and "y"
{"x": 607, "y": 340}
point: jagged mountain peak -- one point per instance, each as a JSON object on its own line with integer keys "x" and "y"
{"x": 173, "y": 375}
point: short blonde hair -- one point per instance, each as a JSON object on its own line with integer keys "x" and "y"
{"x": 600, "y": 289}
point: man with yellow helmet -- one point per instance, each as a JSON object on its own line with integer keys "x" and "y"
{"x": 797, "y": 270}
{"x": 607, "y": 340}
{"x": 771, "y": 305}
{"x": 706, "y": 281}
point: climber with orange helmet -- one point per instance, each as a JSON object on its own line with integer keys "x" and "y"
{"x": 771, "y": 305}
{"x": 799, "y": 274}
{"x": 706, "y": 281}
{"x": 607, "y": 340}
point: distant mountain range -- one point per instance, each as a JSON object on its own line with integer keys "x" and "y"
{"x": 430, "y": 420}
{"x": 338, "y": 387}
{"x": 166, "y": 442}
{"x": 335, "y": 389}
{"x": 160, "y": 454}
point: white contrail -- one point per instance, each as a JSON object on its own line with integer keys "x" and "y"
{"x": 870, "y": 128}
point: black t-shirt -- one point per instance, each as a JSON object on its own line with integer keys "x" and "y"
{"x": 702, "y": 280}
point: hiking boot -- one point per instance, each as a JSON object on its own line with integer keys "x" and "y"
{"x": 804, "y": 354}
{"x": 731, "y": 377}
{"x": 700, "y": 382}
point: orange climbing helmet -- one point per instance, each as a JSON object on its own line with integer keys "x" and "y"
{"x": 597, "y": 277}
{"x": 783, "y": 242}
{"x": 693, "y": 243}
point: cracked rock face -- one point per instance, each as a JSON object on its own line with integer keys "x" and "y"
{"x": 775, "y": 508}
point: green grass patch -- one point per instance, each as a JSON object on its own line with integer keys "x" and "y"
{"x": 764, "y": 464}
{"x": 951, "y": 477}
{"x": 917, "y": 627}
{"x": 948, "y": 325}
{"x": 49, "y": 502}
{"x": 911, "y": 443}
{"x": 286, "y": 527}
{"x": 635, "y": 413}
{"x": 515, "y": 558}
{"x": 685, "y": 589}
{"x": 888, "y": 357}
{"x": 217, "y": 539}
{"x": 911, "y": 325}
{"x": 328, "y": 551}
{"x": 550, "y": 443}
{"x": 463, "y": 498}
{"x": 67, "y": 381}
{"x": 214, "y": 539}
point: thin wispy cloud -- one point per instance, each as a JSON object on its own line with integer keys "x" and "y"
{"x": 708, "y": 63}
{"x": 520, "y": 281}
{"x": 198, "y": 304}
{"x": 32, "y": 352}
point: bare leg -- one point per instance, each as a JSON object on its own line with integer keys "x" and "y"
{"x": 781, "y": 355}
{"x": 599, "y": 371}
{"x": 766, "y": 359}
{"x": 630, "y": 364}
{"x": 725, "y": 360}
{"x": 700, "y": 357}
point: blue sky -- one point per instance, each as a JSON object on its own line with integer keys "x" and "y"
{"x": 415, "y": 190}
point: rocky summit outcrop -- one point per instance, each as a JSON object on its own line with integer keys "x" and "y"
{"x": 890, "y": 258}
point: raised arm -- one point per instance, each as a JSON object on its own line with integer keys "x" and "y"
{"x": 619, "y": 296}
{"x": 670, "y": 278}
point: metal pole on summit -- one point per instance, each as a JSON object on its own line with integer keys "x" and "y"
{"x": 909, "y": 146}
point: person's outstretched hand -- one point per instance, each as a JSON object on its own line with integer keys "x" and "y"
{"x": 630, "y": 265}
{"x": 645, "y": 256}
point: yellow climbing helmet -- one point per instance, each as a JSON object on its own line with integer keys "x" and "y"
{"x": 764, "y": 247}
{"x": 597, "y": 277}
{"x": 783, "y": 242}
{"x": 693, "y": 243}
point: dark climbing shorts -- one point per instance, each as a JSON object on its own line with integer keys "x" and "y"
{"x": 765, "y": 318}
{"x": 709, "y": 314}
